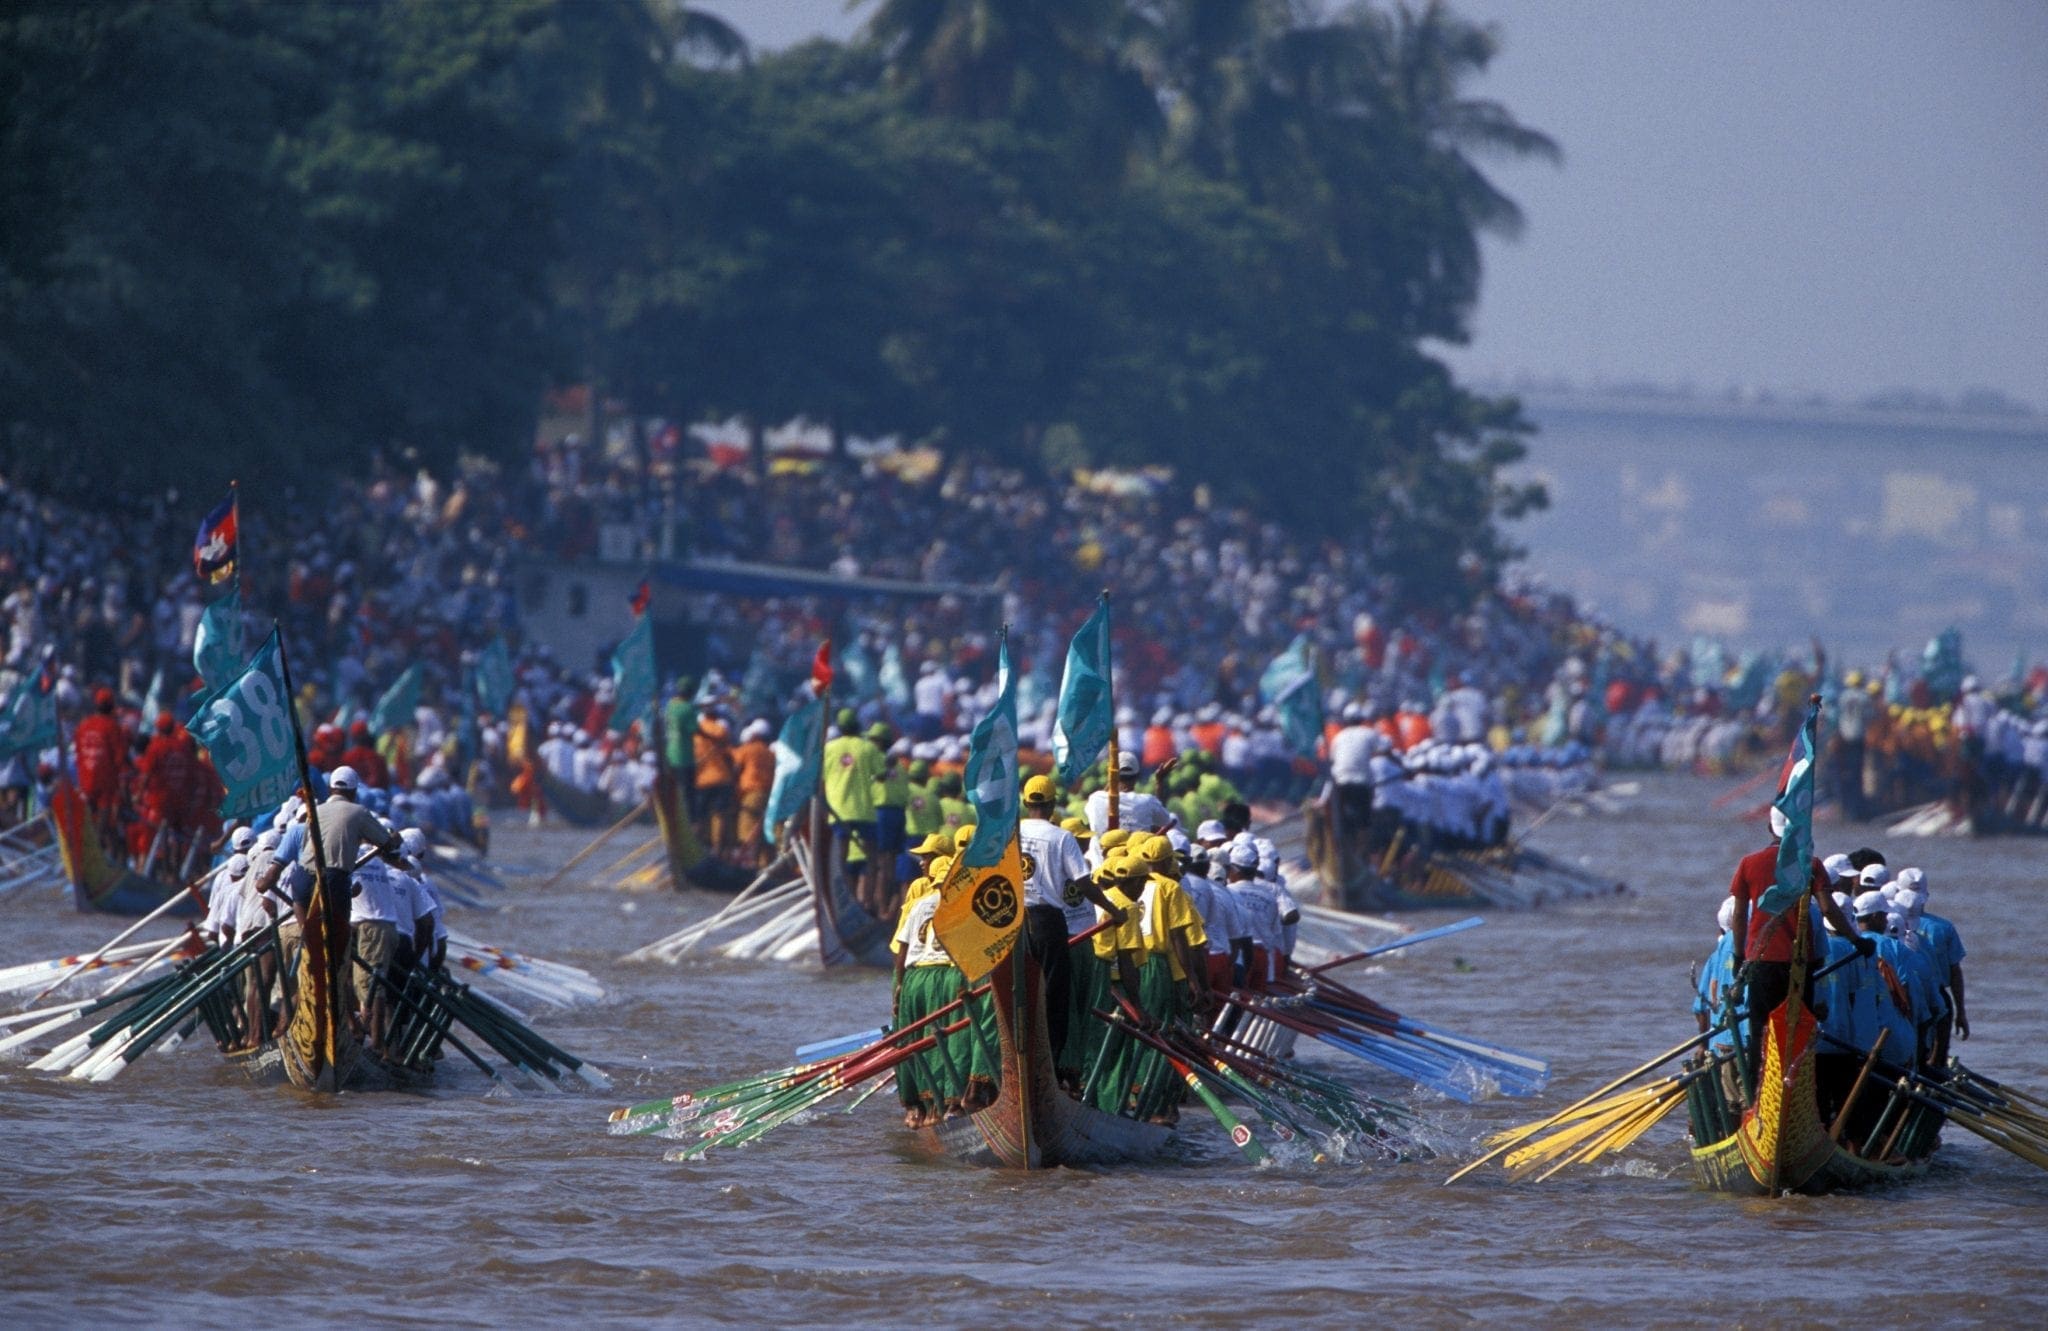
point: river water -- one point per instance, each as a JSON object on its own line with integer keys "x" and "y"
{"x": 182, "y": 1195}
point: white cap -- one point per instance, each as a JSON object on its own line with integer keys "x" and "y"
{"x": 412, "y": 842}
{"x": 1725, "y": 917}
{"x": 1872, "y": 875}
{"x": 1211, "y": 830}
{"x": 1870, "y": 903}
{"x": 1244, "y": 855}
{"x": 756, "y": 729}
{"x": 1178, "y": 839}
{"x": 1838, "y": 868}
{"x": 344, "y": 778}
{"x": 1910, "y": 901}
{"x": 1894, "y": 923}
{"x": 1914, "y": 880}
{"x": 242, "y": 838}
{"x": 1126, "y": 763}
{"x": 238, "y": 865}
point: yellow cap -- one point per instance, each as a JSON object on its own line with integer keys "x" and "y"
{"x": 1078, "y": 826}
{"x": 1155, "y": 849}
{"x": 1114, "y": 837}
{"x": 941, "y": 868}
{"x": 1040, "y": 790}
{"x": 962, "y": 837}
{"x": 935, "y": 844}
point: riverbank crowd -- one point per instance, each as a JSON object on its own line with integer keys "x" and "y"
{"x": 1514, "y": 693}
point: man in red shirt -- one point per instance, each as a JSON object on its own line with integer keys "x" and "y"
{"x": 169, "y": 772}
{"x": 1764, "y": 940}
{"x": 362, "y": 755}
{"x": 101, "y": 754}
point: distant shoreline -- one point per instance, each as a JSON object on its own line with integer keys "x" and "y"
{"x": 1541, "y": 403}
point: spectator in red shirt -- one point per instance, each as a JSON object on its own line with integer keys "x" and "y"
{"x": 1765, "y": 940}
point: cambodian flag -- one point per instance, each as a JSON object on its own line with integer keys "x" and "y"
{"x": 213, "y": 551}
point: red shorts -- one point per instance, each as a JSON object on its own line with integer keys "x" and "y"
{"x": 1219, "y": 972}
{"x": 1262, "y": 970}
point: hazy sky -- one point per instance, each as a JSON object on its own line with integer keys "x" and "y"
{"x": 1830, "y": 196}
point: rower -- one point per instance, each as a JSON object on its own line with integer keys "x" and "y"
{"x": 1891, "y": 1003}
{"x": 378, "y": 908}
{"x": 1059, "y": 903}
{"x": 1839, "y": 1003}
{"x": 1764, "y": 940}
{"x": 1136, "y": 809}
{"x": 1916, "y": 969}
{"x": 413, "y": 844}
{"x": 1944, "y": 947}
{"x": 1260, "y": 908}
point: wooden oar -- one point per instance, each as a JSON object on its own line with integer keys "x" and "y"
{"x": 1427, "y": 935}
{"x": 1240, "y": 1135}
{"x": 1523, "y": 1134}
{"x": 594, "y": 846}
{"x": 191, "y": 888}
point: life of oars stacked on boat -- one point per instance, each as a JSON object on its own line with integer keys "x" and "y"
{"x": 1293, "y": 1103}
{"x": 155, "y": 995}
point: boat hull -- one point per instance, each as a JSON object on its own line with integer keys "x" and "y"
{"x": 1033, "y": 1124}
{"x": 98, "y": 884}
{"x": 1782, "y": 1144}
{"x": 578, "y": 808}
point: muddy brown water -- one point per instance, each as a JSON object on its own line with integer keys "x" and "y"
{"x": 182, "y": 1195}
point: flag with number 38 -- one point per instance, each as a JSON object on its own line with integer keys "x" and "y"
{"x": 248, "y": 734}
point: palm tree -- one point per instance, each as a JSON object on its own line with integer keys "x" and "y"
{"x": 1056, "y": 68}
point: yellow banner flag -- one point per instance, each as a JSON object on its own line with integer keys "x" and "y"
{"x": 981, "y": 911}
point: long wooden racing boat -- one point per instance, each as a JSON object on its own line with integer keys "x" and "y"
{"x": 1033, "y": 1124}
{"x": 1782, "y": 1142}
{"x": 578, "y": 808}
{"x": 97, "y": 883}
{"x": 848, "y": 933}
{"x": 1401, "y": 878}
{"x": 690, "y": 863}
{"x": 320, "y": 1050}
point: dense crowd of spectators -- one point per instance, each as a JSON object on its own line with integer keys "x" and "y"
{"x": 404, "y": 567}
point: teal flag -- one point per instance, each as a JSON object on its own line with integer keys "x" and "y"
{"x": 1289, "y": 687}
{"x": 394, "y": 711}
{"x": 1795, "y": 801}
{"x": 857, "y": 673}
{"x": 633, "y": 679}
{"x": 28, "y": 720}
{"x": 1941, "y": 665}
{"x": 1084, "y": 718}
{"x": 245, "y": 727}
{"x": 798, "y": 753}
{"x": 895, "y": 684}
{"x": 494, "y": 679}
{"x": 991, "y": 774}
{"x": 217, "y": 646}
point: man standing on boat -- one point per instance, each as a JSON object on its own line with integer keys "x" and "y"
{"x": 1059, "y": 902}
{"x": 1764, "y": 941}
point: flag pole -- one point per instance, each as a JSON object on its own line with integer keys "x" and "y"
{"x": 327, "y": 971}
{"x": 1109, "y": 663}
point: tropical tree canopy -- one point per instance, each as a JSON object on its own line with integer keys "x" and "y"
{"x": 1217, "y": 234}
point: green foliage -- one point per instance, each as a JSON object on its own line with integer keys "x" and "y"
{"x": 248, "y": 237}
